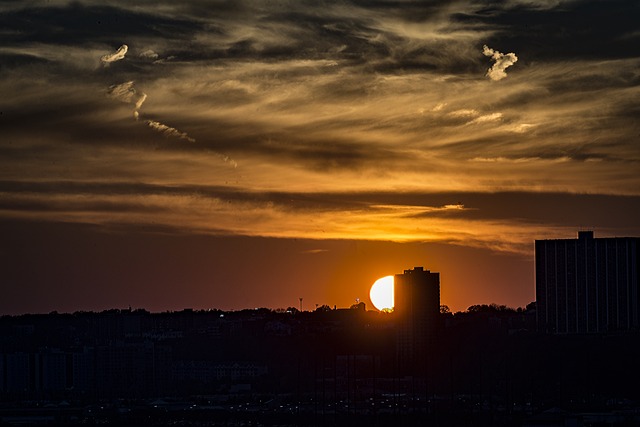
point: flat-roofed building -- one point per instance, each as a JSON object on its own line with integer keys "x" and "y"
{"x": 587, "y": 285}
{"x": 417, "y": 309}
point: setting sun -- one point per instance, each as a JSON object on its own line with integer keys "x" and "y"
{"x": 381, "y": 293}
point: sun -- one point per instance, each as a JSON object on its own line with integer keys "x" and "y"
{"x": 381, "y": 293}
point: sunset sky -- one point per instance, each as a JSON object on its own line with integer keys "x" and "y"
{"x": 248, "y": 153}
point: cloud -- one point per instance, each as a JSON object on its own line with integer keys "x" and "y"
{"x": 229, "y": 160}
{"x": 127, "y": 93}
{"x": 124, "y": 92}
{"x": 168, "y": 130}
{"x": 360, "y": 95}
{"x": 464, "y": 113}
{"x": 493, "y": 117}
{"x": 117, "y": 56}
{"x": 473, "y": 219}
{"x": 149, "y": 54}
{"x": 139, "y": 103}
{"x": 315, "y": 251}
{"x": 503, "y": 61}
{"x": 535, "y": 4}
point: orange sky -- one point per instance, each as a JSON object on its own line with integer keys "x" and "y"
{"x": 171, "y": 155}
{"x": 82, "y": 267}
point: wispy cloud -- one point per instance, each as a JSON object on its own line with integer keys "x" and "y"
{"x": 127, "y": 93}
{"x": 149, "y": 54}
{"x": 493, "y": 117}
{"x": 315, "y": 251}
{"x": 124, "y": 92}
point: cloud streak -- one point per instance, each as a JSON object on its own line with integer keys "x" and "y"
{"x": 127, "y": 93}
{"x": 168, "y": 130}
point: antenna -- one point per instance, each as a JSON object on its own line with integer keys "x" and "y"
{"x": 300, "y": 303}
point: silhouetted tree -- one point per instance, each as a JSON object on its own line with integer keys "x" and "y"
{"x": 359, "y": 306}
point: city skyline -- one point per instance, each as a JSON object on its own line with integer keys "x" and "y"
{"x": 247, "y": 154}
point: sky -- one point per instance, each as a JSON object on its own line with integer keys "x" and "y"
{"x": 250, "y": 153}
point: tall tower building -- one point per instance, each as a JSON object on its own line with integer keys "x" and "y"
{"x": 417, "y": 309}
{"x": 587, "y": 285}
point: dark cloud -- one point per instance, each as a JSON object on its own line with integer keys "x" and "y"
{"x": 316, "y": 30}
{"x": 87, "y": 25}
{"x": 76, "y": 122}
{"x": 570, "y": 30}
{"x": 222, "y": 32}
{"x": 41, "y": 204}
{"x": 20, "y": 61}
{"x": 604, "y": 212}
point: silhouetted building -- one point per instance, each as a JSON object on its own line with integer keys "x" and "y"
{"x": 52, "y": 366}
{"x": 84, "y": 370}
{"x": 587, "y": 285}
{"x": 19, "y": 374}
{"x": 417, "y": 308}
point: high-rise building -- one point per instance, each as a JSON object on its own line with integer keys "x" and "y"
{"x": 587, "y": 285}
{"x": 417, "y": 308}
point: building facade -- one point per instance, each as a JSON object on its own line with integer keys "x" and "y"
{"x": 417, "y": 309}
{"x": 587, "y": 285}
